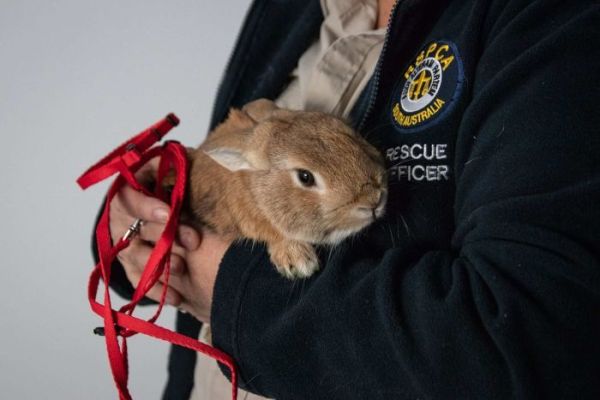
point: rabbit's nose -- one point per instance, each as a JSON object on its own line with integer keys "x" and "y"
{"x": 375, "y": 207}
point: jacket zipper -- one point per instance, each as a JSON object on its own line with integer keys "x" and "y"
{"x": 376, "y": 75}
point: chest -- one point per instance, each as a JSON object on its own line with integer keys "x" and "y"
{"x": 413, "y": 108}
{"x": 414, "y": 116}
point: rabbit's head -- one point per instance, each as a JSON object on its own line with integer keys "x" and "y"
{"x": 309, "y": 173}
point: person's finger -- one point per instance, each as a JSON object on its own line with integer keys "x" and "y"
{"x": 172, "y": 297}
{"x": 138, "y": 205}
{"x": 151, "y": 231}
{"x": 147, "y": 172}
{"x": 130, "y": 204}
{"x": 188, "y": 237}
{"x": 134, "y": 261}
{"x": 131, "y": 259}
{"x": 178, "y": 249}
{"x": 135, "y": 258}
{"x": 175, "y": 281}
{"x": 178, "y": 266}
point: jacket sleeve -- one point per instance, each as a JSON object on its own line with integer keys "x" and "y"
{"x": 512, "y": 310}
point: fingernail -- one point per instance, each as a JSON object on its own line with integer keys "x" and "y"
{"x": 187, "y": 240}
{"x": 161, "y": 214}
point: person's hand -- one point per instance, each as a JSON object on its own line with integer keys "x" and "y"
{"x": 130, "y": 204}
{"x": 195, "y": 285}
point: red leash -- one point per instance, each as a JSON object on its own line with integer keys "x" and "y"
{"x": 126, "y": 160}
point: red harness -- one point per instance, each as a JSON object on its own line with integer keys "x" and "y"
{"x": 126, "y": 160}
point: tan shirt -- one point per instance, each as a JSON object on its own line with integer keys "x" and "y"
{"x": 332, "y": 73}
{"x": 329, "y": 77}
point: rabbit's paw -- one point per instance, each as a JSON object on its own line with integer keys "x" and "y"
{"x": 294, "y": 259}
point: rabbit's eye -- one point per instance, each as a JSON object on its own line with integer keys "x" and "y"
{"x": 306, "y": 178}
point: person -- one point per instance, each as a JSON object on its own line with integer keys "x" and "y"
{"x": 483, "y": 278}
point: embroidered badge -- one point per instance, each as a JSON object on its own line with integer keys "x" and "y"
{"x": 428, "y": 87}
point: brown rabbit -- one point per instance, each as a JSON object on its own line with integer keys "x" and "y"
{"x": 289, "y": 179}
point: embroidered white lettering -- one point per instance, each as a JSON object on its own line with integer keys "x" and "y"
{"x": 418, "y": 173}
{"x": 417, "y": 151}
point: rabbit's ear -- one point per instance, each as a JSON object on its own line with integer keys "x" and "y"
{"x": 232, "y": 159}
{"x": 240, "y": 120}
{"x": 260, "y": 109}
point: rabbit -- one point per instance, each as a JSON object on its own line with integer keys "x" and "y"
{"x": 290, "y": 179}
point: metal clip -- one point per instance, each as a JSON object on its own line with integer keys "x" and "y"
{"x": 133, "y": 230}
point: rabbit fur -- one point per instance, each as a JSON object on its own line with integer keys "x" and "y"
{"x": 290, "y": 179}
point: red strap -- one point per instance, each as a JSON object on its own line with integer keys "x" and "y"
{"x": 126, "y": 160}
{"x": 128, "y": 153}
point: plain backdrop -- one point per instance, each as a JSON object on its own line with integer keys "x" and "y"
{"x": 78, "y": 77}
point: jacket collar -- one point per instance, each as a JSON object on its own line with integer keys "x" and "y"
{"x": 258, "y": 67}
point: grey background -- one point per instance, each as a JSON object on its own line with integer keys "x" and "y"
{"x": 78, "y": 77}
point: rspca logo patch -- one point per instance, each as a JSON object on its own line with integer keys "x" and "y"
{"x": 428, "y": 88}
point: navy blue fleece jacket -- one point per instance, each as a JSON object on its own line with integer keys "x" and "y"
{"x": 483, "y": 279}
